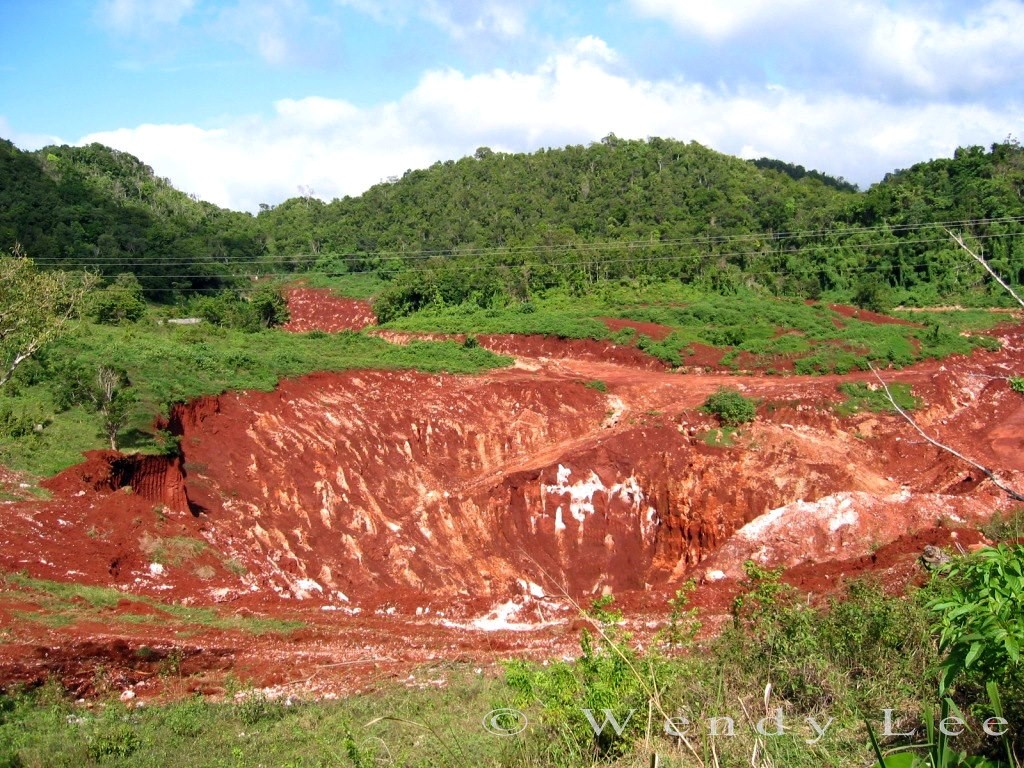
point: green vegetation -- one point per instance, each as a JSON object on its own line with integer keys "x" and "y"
{"x": 821, "y": 670}
{"x": 168, "y": 364}
{"x": 507, "y": 227}
{"x": 65, "y": 603}
{"x": 1008, "y": 527}
{"x": 864, "y": 396}
{"x": 982, "y": 616}
{"x": 730, "y": 406}
{"x": 1017, "y": 383}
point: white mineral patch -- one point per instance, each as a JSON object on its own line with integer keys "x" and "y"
{"x": 304, "y": 588}
{"x": 156, "y": 569}
{"x": 581, "y": 494}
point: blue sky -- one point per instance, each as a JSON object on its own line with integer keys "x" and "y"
{"x": 249, "y": 101}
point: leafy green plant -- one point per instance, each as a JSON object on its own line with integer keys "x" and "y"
{"x": 981, "y": 615}
{"x": 610, "y": 677}
{"x": 598, "y": 385}
{"x": 731, "y": 407}
{"x": 937, "y": 750}
{"x": 683, "y": 624}
{"x": 1017, "y": 383}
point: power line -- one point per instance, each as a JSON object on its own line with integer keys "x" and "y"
{"x": 811, "y": 270}
{"x": 578, "y": 247}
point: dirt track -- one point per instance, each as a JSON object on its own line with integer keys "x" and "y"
{"x": 408, "y": 518}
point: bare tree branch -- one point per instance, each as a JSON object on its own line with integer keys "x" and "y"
{"x": 984, "y": 470}
{"x": 960, "y": 241}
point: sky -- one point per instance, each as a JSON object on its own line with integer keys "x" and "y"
{"x": 250, "y": 102}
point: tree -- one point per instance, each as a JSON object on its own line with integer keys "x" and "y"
{"x": 35, "y": 307}
{"x": 113, "y": 399}
{"x": 121, "y": 301}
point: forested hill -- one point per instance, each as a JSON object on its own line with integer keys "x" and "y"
{"x": 614, "y": 209}
{"x": 99, "y": 208}
{"x": 612, "y": 190}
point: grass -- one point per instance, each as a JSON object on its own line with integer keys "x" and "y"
{"x": 836, "y": 663}
{"x": 815, "y": 337}
{"x": 173, "y": 550}
{"x": 724, "y": 437}
{"x": 354, "y": 285}
{"x": 66, "y": 603}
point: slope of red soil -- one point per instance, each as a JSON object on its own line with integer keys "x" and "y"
{"x": 867, "y": 316}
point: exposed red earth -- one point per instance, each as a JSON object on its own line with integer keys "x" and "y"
{"x": 408, "y": 518}
{"x": 317, "y": 309}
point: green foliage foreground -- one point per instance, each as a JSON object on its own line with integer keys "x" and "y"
{"x": 786, "y": 683}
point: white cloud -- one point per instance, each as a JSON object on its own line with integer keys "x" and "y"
{"x": 143, "y": 17}
{"x": 281, "y": 32}
{"x": 873, "y": 45}
{"x": 26, "y": 141}
{"x": 725, "y": 18}
{"x": 576, "y": 96}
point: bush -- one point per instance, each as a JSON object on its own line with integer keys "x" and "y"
{"x": 981, "y": 616}
{"x": 1017, "y": 383}
{"x": 731, "y": 407}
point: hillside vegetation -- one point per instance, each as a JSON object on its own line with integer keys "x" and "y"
{"x": 498, "y": 227}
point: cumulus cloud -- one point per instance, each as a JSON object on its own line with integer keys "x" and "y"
{"x": 578, "y": 95}
{"x": 26, "y": 141}
{"x": 871, "y": 46}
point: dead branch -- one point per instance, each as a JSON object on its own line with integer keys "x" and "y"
{"x": 978, "y": 258}
{"x": 984, "y": 470}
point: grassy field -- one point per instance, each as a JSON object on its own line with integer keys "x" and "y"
{"x": 815, "y": 337}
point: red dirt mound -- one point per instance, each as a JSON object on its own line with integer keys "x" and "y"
{"x": 409, "y": 516}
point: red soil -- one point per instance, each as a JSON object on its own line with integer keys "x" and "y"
{"x": 655, "y": 331}
{"x": 317, "y": 309}
{"x": 401, "y": 516}
{"x": 868, "y": 316}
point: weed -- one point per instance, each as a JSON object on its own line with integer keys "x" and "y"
{"x": 597, "y": 385}
{"x": 255, "y": 708}
{"x": 862, "y": 396}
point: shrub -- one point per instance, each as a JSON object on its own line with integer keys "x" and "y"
{"x": 1017, "y": 383}
{"x": 981, "y": 616}
{"x": 731, "y": 407}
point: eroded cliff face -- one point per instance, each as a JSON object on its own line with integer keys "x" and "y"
{"x": 383, "y": 487}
